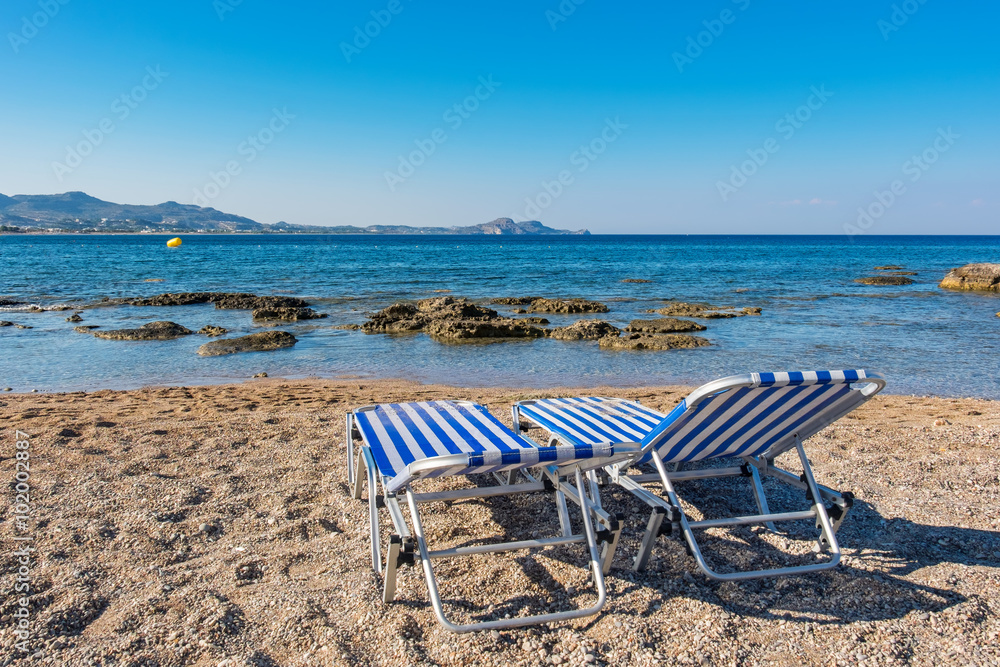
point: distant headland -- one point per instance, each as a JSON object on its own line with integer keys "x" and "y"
{"x": 78, "y": 212}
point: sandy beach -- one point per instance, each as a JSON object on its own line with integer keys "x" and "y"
{"x": 213, "y": 526}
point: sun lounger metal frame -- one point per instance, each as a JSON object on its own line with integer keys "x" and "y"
{"x": 574, "y": 480}
{"x": 828, "y": 508}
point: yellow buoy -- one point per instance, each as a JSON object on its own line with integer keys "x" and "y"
{"x": 174, "y": 242}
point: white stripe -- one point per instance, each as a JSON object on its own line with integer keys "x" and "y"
{"x": 439, "y": 419}
{"x": 407, "y": 436}
{"x": 785, "y": 417}
{"x": 622, "y": 433}
{"x": 775, "y": 394}
{"x": 420, "y": 422}
{"x": 626, "y": 421}
{"x": 385, "y": 442}
{"x": 505, "y": 434}
{"x": 562, "y": 416}
{"x": 713, "y": 433}
{"x": 478, "y": 431}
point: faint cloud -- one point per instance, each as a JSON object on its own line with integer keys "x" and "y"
{"x": 976, "y": 202}
{"x": 816, "y": 201}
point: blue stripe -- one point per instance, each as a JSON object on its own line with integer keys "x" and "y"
{"x": 414, "y": 431}
{"x": 542, "y": 414}
{"x": 600, "y": 426}
{"x": 837, "y": 393}
{"x": 634, "y": 410}
{"x": 795, "y": 377}
{"x": 773, "y": 410}
{"x": 766, "y": 379}
{"x": 852, "y": 376}
{"x": 480, "y": 430}
{"x": 824, "y": 376}
{"x": 747, "y": 409}
{"x": 604, "y": 420}
{"x": 436, "y": 429}
{"x": 716, "y": 411}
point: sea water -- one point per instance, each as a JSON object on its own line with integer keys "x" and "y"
{"x": 924, "y": 339}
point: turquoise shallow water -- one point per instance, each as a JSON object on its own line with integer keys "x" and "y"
{"x": 926, "y": 340}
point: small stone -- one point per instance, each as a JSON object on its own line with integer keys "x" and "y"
{"x": 495, "y": 634}
{"x": 205, "y": 528}
{"x": 8, "y": 389}
{"x": 260, "y": 375}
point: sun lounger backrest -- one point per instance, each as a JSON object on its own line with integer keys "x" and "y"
{"x": 757, "y": 414}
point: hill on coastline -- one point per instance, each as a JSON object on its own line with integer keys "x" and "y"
{"x": 79, "y": 212}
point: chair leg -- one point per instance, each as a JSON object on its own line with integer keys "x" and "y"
{"x": 649, "y": 538}
{"x": 760, "y": 497}
{"x": 372, "y": 509}
{"x": 435, "y": 597}
{"x": 350, "y": 449}
{"x": 564, "y": 525}
{"x": 828, "y": 536}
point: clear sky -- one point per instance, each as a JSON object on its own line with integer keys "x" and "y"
{"x": 705, "y": 117}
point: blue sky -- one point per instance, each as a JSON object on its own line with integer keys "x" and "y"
{"x": 711, "y": 117}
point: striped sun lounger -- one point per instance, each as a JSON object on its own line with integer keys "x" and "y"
{"x": 402, "y": 444}
{"x": 751, "y": 419}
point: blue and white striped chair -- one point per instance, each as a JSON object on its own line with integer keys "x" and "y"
{"x": 750, "y": 418}
{"x": 404, "y": 443}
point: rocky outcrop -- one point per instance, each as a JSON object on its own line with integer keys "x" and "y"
{"x": 212, "y": 330}
{"x": 447, "y": 319}
{"x": 5, "y": 303}
{"x": 75, "y": 317}
{"x": 663, "y": 325}
{"x": 566, "y": 306}
{"x": 459, "y": 330}
{"x": 286, "y": 313}
{"x": 151, "y": 331}
{"x": 889, "y": 267}
{"x": 85, "y": 328}
{"x": 403, "y": 317}
{"x": 585, "y": 330}
{"x": 513, "y": 300}
{"x": 704, "y": 311}
{"x": 264, "y": 341}
{"x": 985, "y": 277}
{"x": 222, "y": 300}
{"x": 885, "y": 280}
{"x": 4, "y": 323}
{"x": 643, "y": 341}
{"x": 347, "y": 327}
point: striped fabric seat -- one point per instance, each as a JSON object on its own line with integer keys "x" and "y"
{"x": 402, "y": 435}
{"x": 761, "y": 417}
{"x": 593, "y": 420}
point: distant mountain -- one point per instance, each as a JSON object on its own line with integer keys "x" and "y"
{"x": 79, "y": 212}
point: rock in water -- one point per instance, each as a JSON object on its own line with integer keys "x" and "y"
{"x": 259, "y": 342}
{"x": 701, "y": 310}
{"x": 663, "y": 325}
{"x": 643, "y": 341}
{"x": 513, "y": 300}
{"x": 885, "y": 280}
{"x": 5, "y": 323}
{"x": 974, "y": 277}
{"x": 569, "y": 306}
{"x": 286, "y": 313}
{"x": 586, "y": 330}
{"x": 75, "y": 317}
{"x": 151, "y": 331}
{"x": 85, "y": 328}
{"x": 889, "y": 267}
{"x": 636, "y": 280}
{"x": 460, "y": 330}
{"x": 212, "y": 330}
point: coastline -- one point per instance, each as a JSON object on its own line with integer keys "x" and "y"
{"x": 149, "y": 503}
